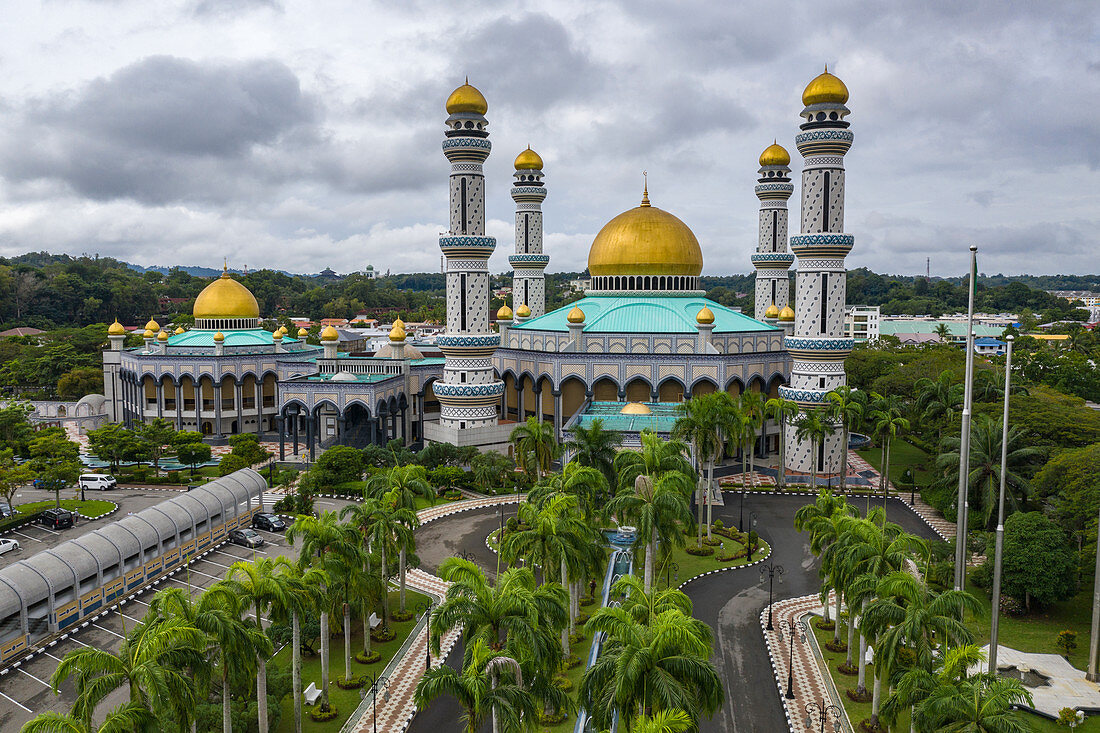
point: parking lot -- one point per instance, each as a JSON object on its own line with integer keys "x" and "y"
{"x": 25, "y": 691}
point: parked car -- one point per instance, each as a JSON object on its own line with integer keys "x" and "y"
{"x": 268, "y": 522}
{"x": 100, "y": 481}
{"x": 246, "y": 538}
{"x": 56, "y": 518}
{"x": 7, "y": 545}
{"x": 6, "y": 510}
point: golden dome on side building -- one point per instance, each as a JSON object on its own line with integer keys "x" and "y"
{"x": 116, "y": 329}
{"x": 825, "y": 88}
{"x": 397, "y": 333}
{"x": 467, "y": 98}
{"x": 772, "y": 311}
{"x": 787, "y": 314}
{"x": 523, "y": 311}
{"x": 152, "y": 326}
{"x": 645, "y": 241}
{"x": 148, "y": 334}
{"x": 162, "y": 336}
{"x": 528, "y": 160}
{"x": 219, "y": 337}
{"x": 775, "y": 154}
{"x": 576, "y": 315}
{"x": 635, "y": 408}
{"x": 179, "y": 330}
{"x": 226, "y": 298}
{"x": 302, "y": 333}
{"x": 329, "y": 334}
{"x": 706, "y": 315}
{"x": 505, "y": 313}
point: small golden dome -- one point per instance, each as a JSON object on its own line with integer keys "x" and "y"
{"x": 467, "y": 99}
{"x": 523, "y": 311}
{"x": 116, "y": 329}
{"x": 825, "y": 88}
{"x": 706, "y": 315}
{"x": 219, "y": 337}
{"x": 278, "y": 335}
{"x": 645, "y": 241}
{"x": 635, "y": 408}
{"x": 399, "y": 322}
{"x": 282, "y": 330}
{"x": 226, "y": 298}
{"x": 179, "y": 330}
{"x": 505, "y": 313}
{"x": 162, "y": 336}
{"x": 152, "y": 326}
{"x": 787, "y": 314}
{"x": 329, "y": 334}
{"x": 775, "y": 154}
{"x": 302, "y": 333}
{"x": 148, "y": 334}
{"x": 397, "y": 333}
{"x": 528, "y": 160}
{"x": 772, "y": 311}
{"x": 576, "y": 315}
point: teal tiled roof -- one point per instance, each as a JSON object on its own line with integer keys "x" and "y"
{"x": 662, "y": 418}
{"x": 199, "y": 337}
{"x": 645, "y": 314}
{"x": 957, "y": 328}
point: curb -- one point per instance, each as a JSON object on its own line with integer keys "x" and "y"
{"x": 728, "y": 568}
{"x": 101, "y": 516}
{"x": 779, "y": 683}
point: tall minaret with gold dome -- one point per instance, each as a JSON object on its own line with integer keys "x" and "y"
{"x": 818, "y": 346}
{"x": 469, "y": 392}
{"x": 528, "y": 263}
{"x": 772, "y": 259}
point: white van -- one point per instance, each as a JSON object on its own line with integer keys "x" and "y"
{"x": 101, "y": 481}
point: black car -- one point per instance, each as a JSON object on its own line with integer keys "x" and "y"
{"x": 56, "y": 518}
{"x": 246, "y": 538}
{"x": 5, "y": 510}
{"x": 268, "y": 522}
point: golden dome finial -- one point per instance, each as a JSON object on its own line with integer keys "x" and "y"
{"x": 775, "y": 154}
{"x": 825, "y": 88}
{"x": 523, "y": 311}
{"x": 772, "y": 311}
{"x": 705, "y": 316}
{"x": 397, "y": 333}
{"x": 116, "y": 329}
{"x": 467, "y": 98}
{"x": 645, "y": 188}
{"x": 219, "y": 337}
{"x": 787, "y": 314}
{"x": 505, "y": 313}
{"x": 302, "y": 333}
{"x": 329, "y": 334}
{"x": 528, "y": 160}
{"x": 576, "y": 315}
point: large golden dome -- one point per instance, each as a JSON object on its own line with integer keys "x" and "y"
{"x": 825, "y": 88}
{"x": 528, "y": 160}
{"x": 645, "y": 241}
{"x": 467, "y": 99}
{"x": 775, "y": 154}
{"x": 226, "y": 298}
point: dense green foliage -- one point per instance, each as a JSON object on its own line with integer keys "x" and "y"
{"x": 1039, "y": 563}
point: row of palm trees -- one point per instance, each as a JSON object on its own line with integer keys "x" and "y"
{"x": 877, "y": 574}
{"x": 186, "y": 647}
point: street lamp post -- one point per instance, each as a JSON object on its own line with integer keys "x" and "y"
{"x": 753, "y": 519}
{"x": 425, "y": 607}
{"x": 771, "y": 569}
{"x": 466, "y": 555}
{"x": 741, "y": 515}
{"x": 378, "y": 683}
{"x": 672, "y": 568}
{"x": 797, "y": 632}
{"x": 822, "y": 711}
{"x": 999, "y": 543}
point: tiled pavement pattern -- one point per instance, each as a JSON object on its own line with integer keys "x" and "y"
{"x": 810, "y": 683}
{"x": 931, "y": 517}
{"x": 395, "y": 714}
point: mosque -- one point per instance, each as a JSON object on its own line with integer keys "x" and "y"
{"x": 642, "y": 339}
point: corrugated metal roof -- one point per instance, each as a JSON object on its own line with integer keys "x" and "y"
{"x": 645, "y": 314}
{"x": 957, "y": 328}
{"x": 241, "y": 337}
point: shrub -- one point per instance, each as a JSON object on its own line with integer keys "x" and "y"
{"x": 174, "y": 477}
{"x": 317, "y": 715}
{"x": 577, "y": 637}
{"x": 699, "y": 551}
{"x": 511, "y": 524}
{"x": 371, "y": 658}
{"x": 712, "y": 541}
{"x": 982, "y": 576}
{"x": 718, "y": 526}
{"x": 399, "y": 616}
{"x": 1066, "y": 642}
{"x": 354, "y": 683}
{"x": 571, "y": 661}
{"x": 381, "y": 634}
{"x": 563, "y": 683}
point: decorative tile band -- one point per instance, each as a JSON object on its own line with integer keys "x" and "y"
{"x": 469, "y": 340}
{"x": 534, "y": 259}
{"x": 818, "y": 344}
{"x": 803, "y": 395}
{"x": 815, "y": 135}
{"x": 775, "y": 257}
{"x": 494, "y": 389}
{"x": 467, "y": 142}
{"x": 823, "y": 240}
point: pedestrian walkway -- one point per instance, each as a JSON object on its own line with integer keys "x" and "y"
{"x": 944, "y": 528}
{"x": 810, "y": 683}
{"x": 395, "y": 714}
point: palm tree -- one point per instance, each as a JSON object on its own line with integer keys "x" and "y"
{"x": 406, "y": 483}
{"x": 824, "y": 520}
{"x": 237, "y": 643}
{"x": 587, "y": 484}
{"x": 698, "y": 424}
{"x": 123, "y": 719}
{"x": 595, "y": 447}
{"x": 954, "y": 700}
{"x": 300, "y": 595}
{"x": 321, "y": 536}
{"x": 943, "y": 331}
{"x": 907, "y": 615}
{"x": 255, "y": 585}
{"x": 348, "y": 579}
{"x": 485, "y": 688}
{"x": 151, "y": 662}
{"x": 387, "y": 529}
{"x": 845, "y": 405}
{"x": 646, "y": 669}
{"x": 657, "y": 459}
{"x": 752, "y": 407}
{"x": 782, "y": 411}
{"x": 659, "y": 510}
{"x": 888, "y": 424}
{"x": 814, "y": 426}
{"x": 985, "y": 464}
{"x": 644, "y": 606}
{"x": 535, "y": 446}
{"x": 939, "y": 398}
{"x": 666, "y": 721}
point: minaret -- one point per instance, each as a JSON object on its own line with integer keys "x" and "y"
{"x": 528, "y": 263}
{"x": 112, "y": 368}
{"x": 772, "y": 259}
{"x": 469, "y": 392}
{"x": 818, "y": 346}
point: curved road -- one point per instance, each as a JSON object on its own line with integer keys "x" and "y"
{"x": 730, "y": 603}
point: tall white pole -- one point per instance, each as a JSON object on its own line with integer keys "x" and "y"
{"x": 996, "y": 608}
{"x": 1092, "y": 675}
{"x": 964, "y": 443}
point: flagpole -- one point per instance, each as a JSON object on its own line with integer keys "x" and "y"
{"x": 963, "y": 506}
{"x": 997, "y": 554}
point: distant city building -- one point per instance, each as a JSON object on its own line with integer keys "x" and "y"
{"x": 1088, "y": 297}
{"x": 370, "y": 273}
{"x": 861, "y": 322}
{"x": 989, "y": 346}
{"x": 22, "y": 331}
{"x": 580, "y": 284}
{"x": 924, "y": 330}
{"x": 328, "y": 274}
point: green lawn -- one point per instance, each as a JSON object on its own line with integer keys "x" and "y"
{"x": 902, "y": 455}
{"x": 574, "y": 675}
{"x": 92, "y": 508}
{"x": 345, "y": 700}
{"x": 692, "y": 565}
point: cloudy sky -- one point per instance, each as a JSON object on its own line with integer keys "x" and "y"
{"x": 299, "y": 135}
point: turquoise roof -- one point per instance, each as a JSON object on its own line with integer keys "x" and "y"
{"x": 359, "y": 378}
{"x": 957, "y": 328}
{"x": 428, "y": 361}
{"x": 645, "y": 314}
{"x": 663, "y": 416}
{"x": 199, "y": 337}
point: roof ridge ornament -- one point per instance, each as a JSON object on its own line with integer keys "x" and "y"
{"x": 645, "y": 188}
